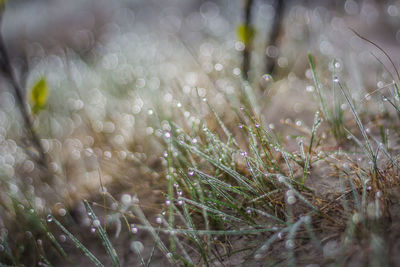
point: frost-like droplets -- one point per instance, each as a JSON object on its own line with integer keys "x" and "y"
{"x": 191, "y": 172}
{"x": 180, "y": 202}
{"x": 137, "y": 246}
{"x": 126, "y": 199}
{"x": 384, "y": 98}
{"x": 335, "y": 79}
{"x": 291, "y": 200}
{"x": 96, "y": 223}
{"x": 289, "y": 244}
{"x": 158, "y": 220}
{"x": 134, "y": 229}
{"x": 243, "y": 153}
{"x": 257, "y": 125}
{"x": 267, "y": 77}
{"x": 310, "y": 88}
{"x": 63, "y": 238}
{"x": 49, "y": 218}
{"x": 258, "y": 256}
{"x": 93, "y": 230}
{"x": 281, "y": 178}
{"x": 337, "y": 65}
{"x": 167, "y": 202}
{"x": 62, "y": 212}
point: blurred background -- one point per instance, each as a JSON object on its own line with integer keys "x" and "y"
{"x": 118, "y": 72}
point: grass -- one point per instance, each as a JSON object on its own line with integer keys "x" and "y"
{"x": 161, "y": 170}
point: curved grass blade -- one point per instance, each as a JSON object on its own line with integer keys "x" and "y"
{"x": 77, "y": 243}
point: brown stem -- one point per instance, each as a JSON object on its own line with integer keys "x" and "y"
{"x": 274, "y": 33}
{"x": 246, "y": 51}
{"x": 8, "y": 72}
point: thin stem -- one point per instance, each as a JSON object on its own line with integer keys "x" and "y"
{"x": 8, "y": 72}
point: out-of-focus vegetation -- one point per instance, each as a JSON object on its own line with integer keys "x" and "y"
{"x": 199, "y": 133}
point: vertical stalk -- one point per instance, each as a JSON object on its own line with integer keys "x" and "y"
{"x": 8, "y": 73}
{"x": 274, "y": 34}
{"x": 246, "y": 52}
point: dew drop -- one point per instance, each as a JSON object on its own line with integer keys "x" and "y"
{"x": 62, "y": 212}
{"x": 310, "y": 88}
{"x": 134, "y": 229}
{"x": 267, "y": 77}
{"x": 291, "y": 200}
{"x": 96, "y": 223}
{"x": 289, "y": 244}
{"x": 335, "y": 79}
{"x": 49, "y": 218}
{"x": 63, "y": 238}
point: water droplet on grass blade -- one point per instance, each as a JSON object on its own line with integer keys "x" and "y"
{"x": 291, "y": 200}
{"x": 335, "y": 79}
{"x": 134, "y": 229}
{"x": 267, "y": 77}
{"x": 63, "y": 238}
{"x": 289, "y": 244}
{"x": 96, "y": 223}
{"x": 310, "y": 88}
{"x": 137, "y": 246}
